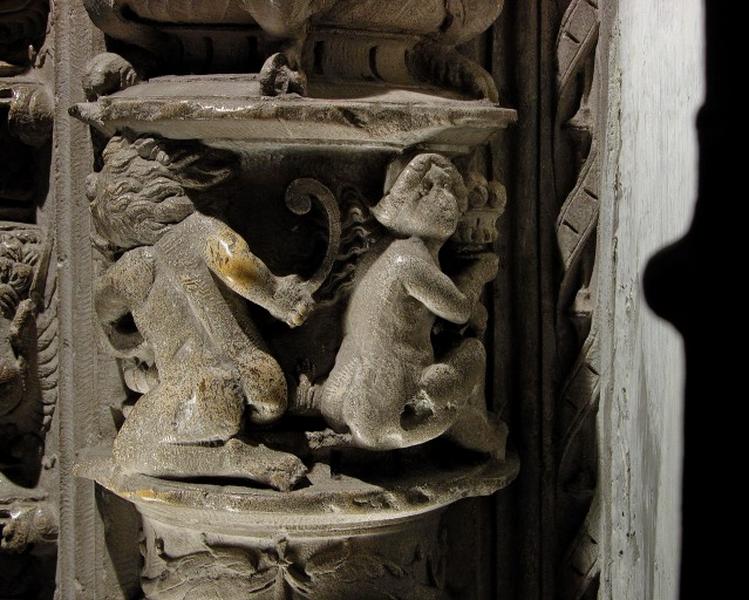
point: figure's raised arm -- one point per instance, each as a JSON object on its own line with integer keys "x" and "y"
{"x": 229, "y": 257}
{"x": 436, "y": 291}
{"x": 120, "y": 289}
{"x": 481, "y": 270}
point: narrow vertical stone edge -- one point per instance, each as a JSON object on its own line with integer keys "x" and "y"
{"x": 577, "y": 176}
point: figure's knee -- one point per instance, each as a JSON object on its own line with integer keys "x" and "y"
{"x": 140, "y": 430}
{"x": 469, "y": 360}
{"x": 462, "y": 365}
{"x": 265, "y": 389}
{"x": 469, "y": 355}
{"x": 127, "y": 452}
{"x": 479, "y": 430}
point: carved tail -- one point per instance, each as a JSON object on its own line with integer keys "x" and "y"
{"x": 299, "y": 197}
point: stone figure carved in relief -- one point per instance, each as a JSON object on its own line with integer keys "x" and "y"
{"x": 28, "y": 368}
{"x": 386, "y": 388}
{"x": 418, "y": 43}
{"x": 27, "y": 362}
{"x": 443, "y": 24}
{"x": 19, "y": 251}
{"x": 181, "y": 282}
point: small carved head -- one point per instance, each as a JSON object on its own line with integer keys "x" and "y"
{"x": 426, "y": 200}
{"x": 146, "y": 186}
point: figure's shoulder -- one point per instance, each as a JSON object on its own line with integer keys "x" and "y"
{"x": 410, "y": 253}
{"x": 136, "y": 256}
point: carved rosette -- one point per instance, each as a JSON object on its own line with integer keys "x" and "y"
{"x": 296, "y": 260}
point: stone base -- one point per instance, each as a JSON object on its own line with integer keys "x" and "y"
{"x": 339, "y": 537}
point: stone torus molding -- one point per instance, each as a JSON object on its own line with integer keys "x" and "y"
{"x": 296, "y": 237}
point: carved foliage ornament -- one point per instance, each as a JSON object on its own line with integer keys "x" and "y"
{"x": 27, "y": 310}
{"x": 339, "y": 570}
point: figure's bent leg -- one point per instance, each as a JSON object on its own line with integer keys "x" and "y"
{"x": 210, "y": 410}
{"x": 146, "y": 444}
{"x": 477, "y": 430}
{"x": 458, "y": 376}
{"x": 383, "y": 417}
{"x": 264, "y": 387}
{"x": 235, "y": 458}
{"x": 474, "y": 428}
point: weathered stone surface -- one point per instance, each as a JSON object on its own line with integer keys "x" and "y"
{"x": 294, "y": 258}
{"x": 28, "y": 327}
{"x": 230, "y": 110}
{"x": 339, "y": 537}
{"x": 307, "y": 39}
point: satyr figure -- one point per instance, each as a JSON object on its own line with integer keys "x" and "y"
{"x": 387, "y": 389}
{"x": 173, "y": 301}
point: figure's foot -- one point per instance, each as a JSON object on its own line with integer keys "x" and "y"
{"x": 107, "y": 73}
{"x": 278, "y": 77}
{"x": 441, "y": 65}
{"x": 280, "y": 470}
{"x": 264, "y": 388}
{"x": 477, "y": 430}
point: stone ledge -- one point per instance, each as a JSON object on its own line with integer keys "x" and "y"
{"x": 328, "y": 503}
{"x": 229, "y": 110}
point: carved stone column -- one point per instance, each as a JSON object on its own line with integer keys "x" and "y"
{"x": 298, "y": 234}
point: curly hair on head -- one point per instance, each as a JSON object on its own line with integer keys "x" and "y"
{"x": 144, "y": 186}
